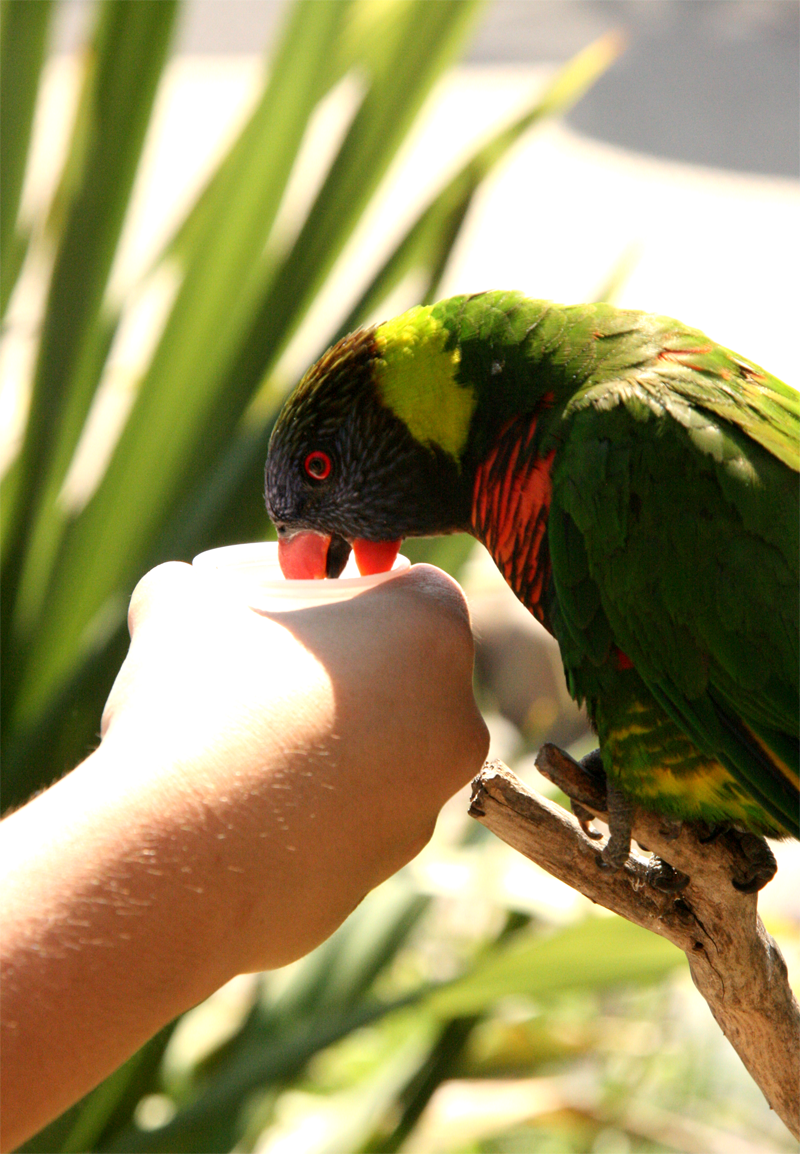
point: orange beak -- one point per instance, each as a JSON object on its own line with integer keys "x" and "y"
{"x": 303, "y": 556}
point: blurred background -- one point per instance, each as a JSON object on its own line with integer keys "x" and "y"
{"x": 711, "y": 83}
{"x": 197, "y": 199}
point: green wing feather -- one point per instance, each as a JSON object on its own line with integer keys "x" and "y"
{"x": 674, "y": 529}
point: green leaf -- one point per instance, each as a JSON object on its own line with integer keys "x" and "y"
{"x": 129, "y": 51}
{"x": 597, "y": 952}
{"x": 212, "y": 1122}
{"x": 23, "y": 39}
{"x": 426, "y": 41}
{"x": 340, "y": 1123}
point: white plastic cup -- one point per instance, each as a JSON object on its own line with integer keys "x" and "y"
{"x": 254, "y": 570}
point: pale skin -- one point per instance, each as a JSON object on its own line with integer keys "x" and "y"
{"x": 257, "y": 776}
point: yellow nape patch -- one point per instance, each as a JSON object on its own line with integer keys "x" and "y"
{"x": 416, "y": 379}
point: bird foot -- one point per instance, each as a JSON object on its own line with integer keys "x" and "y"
{"x": 758, "y": 865}
{"x": 671, "y": 828}
{"x": 592, "y": 793}
{"x": 660, "y": 874}
{"x": 665, "y": 878}
{"x": 755, "y": 861}
{"x": 707, "y": 834}
{"x": 617, "y": 849}
{"x": 589, "y": 790}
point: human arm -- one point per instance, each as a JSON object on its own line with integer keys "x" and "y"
{"x": 257, "y": 776}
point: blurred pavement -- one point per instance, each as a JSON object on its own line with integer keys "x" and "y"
{"x": 715, "y": 82}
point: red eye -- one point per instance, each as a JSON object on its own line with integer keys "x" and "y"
{"x": 318, "y": 465}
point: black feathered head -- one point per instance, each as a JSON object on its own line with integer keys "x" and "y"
{"x": 344, "y": 466}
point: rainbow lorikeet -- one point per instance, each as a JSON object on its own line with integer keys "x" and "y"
{"x": 636, "y": 485}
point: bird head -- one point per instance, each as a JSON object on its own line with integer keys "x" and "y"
{"x": 368, "y": 449}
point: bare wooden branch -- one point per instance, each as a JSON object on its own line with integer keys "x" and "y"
{"x": 735, "y": 964}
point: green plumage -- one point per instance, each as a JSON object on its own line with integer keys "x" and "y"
{"x": 637, "y": 485}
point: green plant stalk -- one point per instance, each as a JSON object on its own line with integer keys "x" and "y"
{"x": 130, "y": 48}
{"x": 427, "y": 42}
{"x": 23, "y": 39}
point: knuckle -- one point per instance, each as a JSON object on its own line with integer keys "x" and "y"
{"x": 159, "y": 584}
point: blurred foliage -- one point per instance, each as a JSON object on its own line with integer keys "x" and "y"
{"x": 348, "y": 1049}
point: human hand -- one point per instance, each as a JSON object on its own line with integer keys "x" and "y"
{"x": 258, "y": 774}
{"x": 323, "y": 740}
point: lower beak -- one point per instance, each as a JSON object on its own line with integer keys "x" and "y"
{"x": 375, "y": 556}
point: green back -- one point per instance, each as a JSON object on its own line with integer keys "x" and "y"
{"x": 673, "y": 529}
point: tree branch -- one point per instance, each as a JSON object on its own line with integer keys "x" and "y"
{"x": 735, "y": 964}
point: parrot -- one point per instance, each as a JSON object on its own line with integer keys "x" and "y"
{"x": 635, "y": 483}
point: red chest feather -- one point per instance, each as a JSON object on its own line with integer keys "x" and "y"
{"x": 510, "y": 505}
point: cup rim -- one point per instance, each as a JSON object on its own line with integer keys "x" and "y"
{"x": 244, "y": 562}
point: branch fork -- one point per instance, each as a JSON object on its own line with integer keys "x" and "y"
{"x": 734, "y": 962}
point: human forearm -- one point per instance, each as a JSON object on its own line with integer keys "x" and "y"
{"x": 114, "y": 923}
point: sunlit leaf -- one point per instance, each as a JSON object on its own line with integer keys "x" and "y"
{"x": 596, "y": 952}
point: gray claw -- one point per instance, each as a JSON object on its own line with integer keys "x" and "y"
{"x": 665, "y": 878}
{"x": 760, "y": 866}
{"x": 585, "y": 818}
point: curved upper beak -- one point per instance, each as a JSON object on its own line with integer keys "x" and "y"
{"x": 306, "y": 555}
